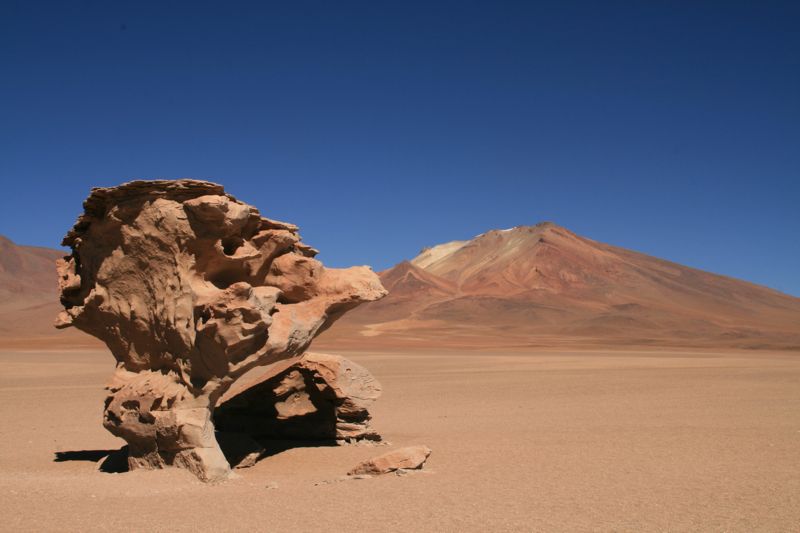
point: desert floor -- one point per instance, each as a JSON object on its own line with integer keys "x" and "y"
{"x": 578, "y": 441}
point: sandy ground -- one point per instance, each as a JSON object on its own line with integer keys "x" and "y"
{"x": 587, "y": 441}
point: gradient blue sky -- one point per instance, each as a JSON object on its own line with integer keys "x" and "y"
{"x": 672, "y": 128}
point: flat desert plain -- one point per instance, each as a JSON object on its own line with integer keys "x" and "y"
{"x": 543, "y": 441}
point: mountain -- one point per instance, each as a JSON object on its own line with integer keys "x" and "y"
{"x": 29, "y": 296}
{"x": 544, "y": 285}
{"x": 525, "y": 287}
{"x": 26, "y": 270}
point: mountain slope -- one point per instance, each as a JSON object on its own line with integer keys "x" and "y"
{"x": 544, "y": 285}
{"x": 26, "y": 270}
{"x": 29, "y": 297}
{"x": 525, "y": 287}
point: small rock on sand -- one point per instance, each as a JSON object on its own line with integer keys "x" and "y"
{"x": 410, "y": 458}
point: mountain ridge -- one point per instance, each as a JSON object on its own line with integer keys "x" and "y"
{"x": 27, "y": 268}
{"x": 527, "y": 286}
{"x": 544, "y": 283}
{"x": 29, "y": 299}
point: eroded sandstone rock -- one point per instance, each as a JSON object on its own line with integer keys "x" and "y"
{"x": 409, "y": 458}
{"x": 190, "y": 289}
{"x": 312, "y": 397}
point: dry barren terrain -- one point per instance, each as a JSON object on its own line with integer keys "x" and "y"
{"x": 547, "y": 441}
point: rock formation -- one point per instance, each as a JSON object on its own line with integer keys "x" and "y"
{"x": 191, "y": 289}
{"x": 409, "y": 458}
{"x": 313, "y": 397}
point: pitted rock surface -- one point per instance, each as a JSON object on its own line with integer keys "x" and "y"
{"x": 313, "y": 397}
{"x": 190, "y": 289}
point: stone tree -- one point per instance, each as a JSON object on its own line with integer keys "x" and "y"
{"x": 191, "y": 289}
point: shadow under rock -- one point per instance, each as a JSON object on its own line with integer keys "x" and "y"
{"x": 239, "y": 449}
{"x": 111, "y": 461}
{"x": 274, "y": 447}
{"x": 243, "y": 450}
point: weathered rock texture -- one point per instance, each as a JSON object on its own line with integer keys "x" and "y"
{"x": 313, "y": 397}
{"x": 190, "y": 289}
{"x": 409, "y": 458}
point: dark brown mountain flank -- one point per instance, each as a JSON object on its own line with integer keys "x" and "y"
{"x": 546, "y": 286}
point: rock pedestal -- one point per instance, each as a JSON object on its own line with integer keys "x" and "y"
{"x": 191, "y": 289}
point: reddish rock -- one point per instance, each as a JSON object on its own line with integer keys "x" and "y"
{"x": 312, "y": 397}
{"x": 410, "y": 458}
{"x": 191, "y": 289}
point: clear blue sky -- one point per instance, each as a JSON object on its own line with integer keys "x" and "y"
{"x": 672, "y": 128}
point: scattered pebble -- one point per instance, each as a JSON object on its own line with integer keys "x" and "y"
{"x": 342, "y": 478}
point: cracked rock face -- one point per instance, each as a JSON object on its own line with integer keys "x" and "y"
{"x": 312, "y": 397}
{"x": 190, "y": 289}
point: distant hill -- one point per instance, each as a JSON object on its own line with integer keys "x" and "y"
{"x": 29, "y": 296}
{"x": 526, "y": 287}
{"x": 26, "y": 271}
{"x": 544, "y": 285}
